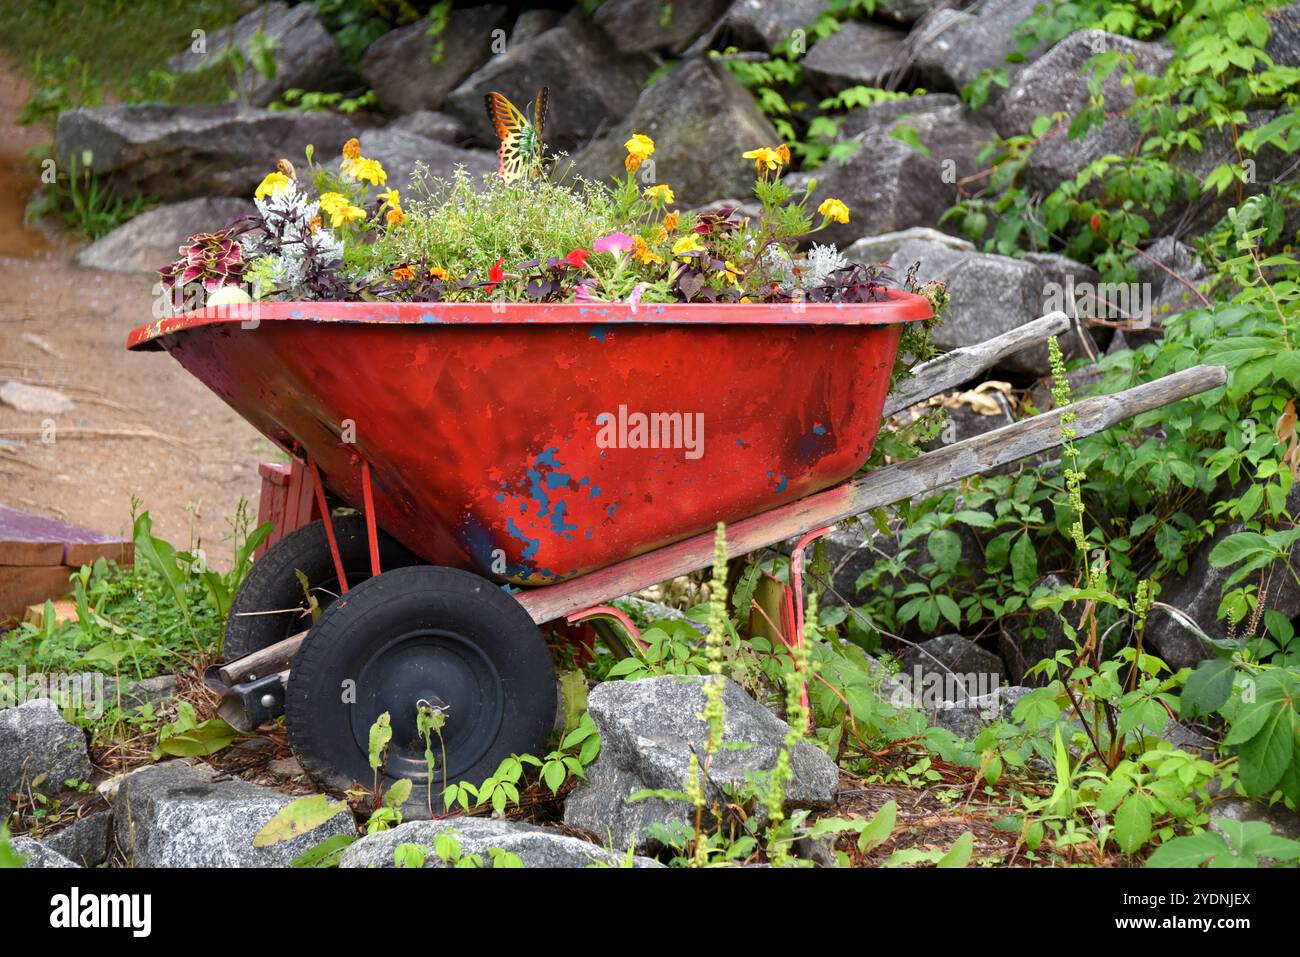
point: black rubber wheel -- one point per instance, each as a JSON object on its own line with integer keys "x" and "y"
{"x": 271, "y": 584}
{"x": 431, "y": 634}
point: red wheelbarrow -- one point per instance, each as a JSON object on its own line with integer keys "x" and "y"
{"x": 581, "y": 452}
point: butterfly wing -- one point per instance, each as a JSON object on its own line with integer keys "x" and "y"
{"x": 540, "y": 107}
{"x": 512, "y": 128}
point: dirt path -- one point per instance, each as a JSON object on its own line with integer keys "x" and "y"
{"x": 65, "y": 327}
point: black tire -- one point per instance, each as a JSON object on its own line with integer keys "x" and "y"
{"x": 439, "y": 634}
{"x": 272, "y": 585}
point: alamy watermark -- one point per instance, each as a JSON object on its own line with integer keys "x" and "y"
{"x": 80, "y": 692}
{"x": 652, "y": 430}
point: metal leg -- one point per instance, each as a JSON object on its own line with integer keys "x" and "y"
{"x": 329, "y": 525}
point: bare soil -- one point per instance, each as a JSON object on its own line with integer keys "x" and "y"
{"x": 141, "y": 426}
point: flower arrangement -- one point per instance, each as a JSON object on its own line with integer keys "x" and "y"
{"x": 338, "y": 233}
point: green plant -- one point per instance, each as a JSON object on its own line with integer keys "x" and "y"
{"x": 8, "y": 856}
{"x": 187, "y": 736}
{"x": 79, "y": 198}
{"x": 308, "y": 101}
{"x": 1242, "y": 844}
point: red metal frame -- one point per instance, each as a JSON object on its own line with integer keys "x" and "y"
{"x": 329, "y": 526}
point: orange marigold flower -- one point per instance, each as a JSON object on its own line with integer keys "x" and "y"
{"x": 642, "y": 253}
{"x": 783, "y": 154}
{"x": 671, "y": 220}
{"x": 352, "y": 149}
{"x": 437, "y": 272}
{"x": 403, "y": 273}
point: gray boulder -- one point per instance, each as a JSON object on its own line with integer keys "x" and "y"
{"x": 969, "y": 717}
{"x": 38, "y": 855}
{"x": 638, "y": 25}
{"x": 989, "y": 295}
{"x": 177, "y": 153}
{"x": 857, "y": 54}
{"x": 648, "y": 732}
{"x": 952, "y": 47}
{"x": 433, "y": 126}
{"x": 1284, "y": 45}
{"x": 960, "y": 668}
{"x": 1164, "y": 293}
{"x": 905, "y": 11}
{"x": 762, "y": 24}
{"x": 40, "y": 750}
{"x": 399, "y": 151}
{"x": 1198, "y": 593}
{"x": 535, "y": 846}
{"x": 1023, "y": 643}
{"x": 701, "y": 119}
{"x": 410, "y": 70}
{"x": 861, "y": 118}
{"x": 174, "y": 815}
{"x": 86, "y": 840}
{"x": 306, "y": 56}
{"x": 1076, "y": 289}
{"x": 592, "y": 84}
{"x": 879, "y": 249}
{"x": 888, "y": 184}
{"x": 1057, "y": 82}
{"x": 150, "y": 241}
{"x": 533, "y": 23}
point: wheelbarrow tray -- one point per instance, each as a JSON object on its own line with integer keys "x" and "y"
{"x": 505, "y": 439}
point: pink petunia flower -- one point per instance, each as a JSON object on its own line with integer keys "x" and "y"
{"x": 613, "y": 243}
{"x": 634, "y": 298}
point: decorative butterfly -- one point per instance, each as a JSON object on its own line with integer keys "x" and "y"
{"x": 520, "y": 151}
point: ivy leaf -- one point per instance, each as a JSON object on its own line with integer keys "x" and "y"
{"x": 944, "y": 546}
{"x": 1190, "y": 851}
{"x": 1132, "y": 823}
{"x": 1208, "y": 688}
{"x": 1265, "y": 757}
{"x": 959, "y": 854}
{"x": 1024, "y": 562}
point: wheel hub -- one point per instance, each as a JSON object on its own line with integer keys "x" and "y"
{"x": 449, "y": 673}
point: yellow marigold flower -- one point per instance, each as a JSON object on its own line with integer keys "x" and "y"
{"x": 271, "y": 184}
{"x": 765, "y": 158}
{"x": 834, "y": 209}
{"x": 642, "y": 253}
{"x": 366, "y": 169}
{"x": 390, "y": 197}
{"x": 437, "y": 272}
{"x": 352, "y": 149}
{"x": 661, "y": 192}
{"x": 403, "y": 273}
{"x": 670, "y": 221}
{"x": 346, "y": 214}
{"x": 395, "y": 216}
{"x": 731, "y": 272}
{"x": 639, "y": 149}
{"x": 783, "y": 154}
{"x": 687, "y": 244}
{"x": 329, "y": 202}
